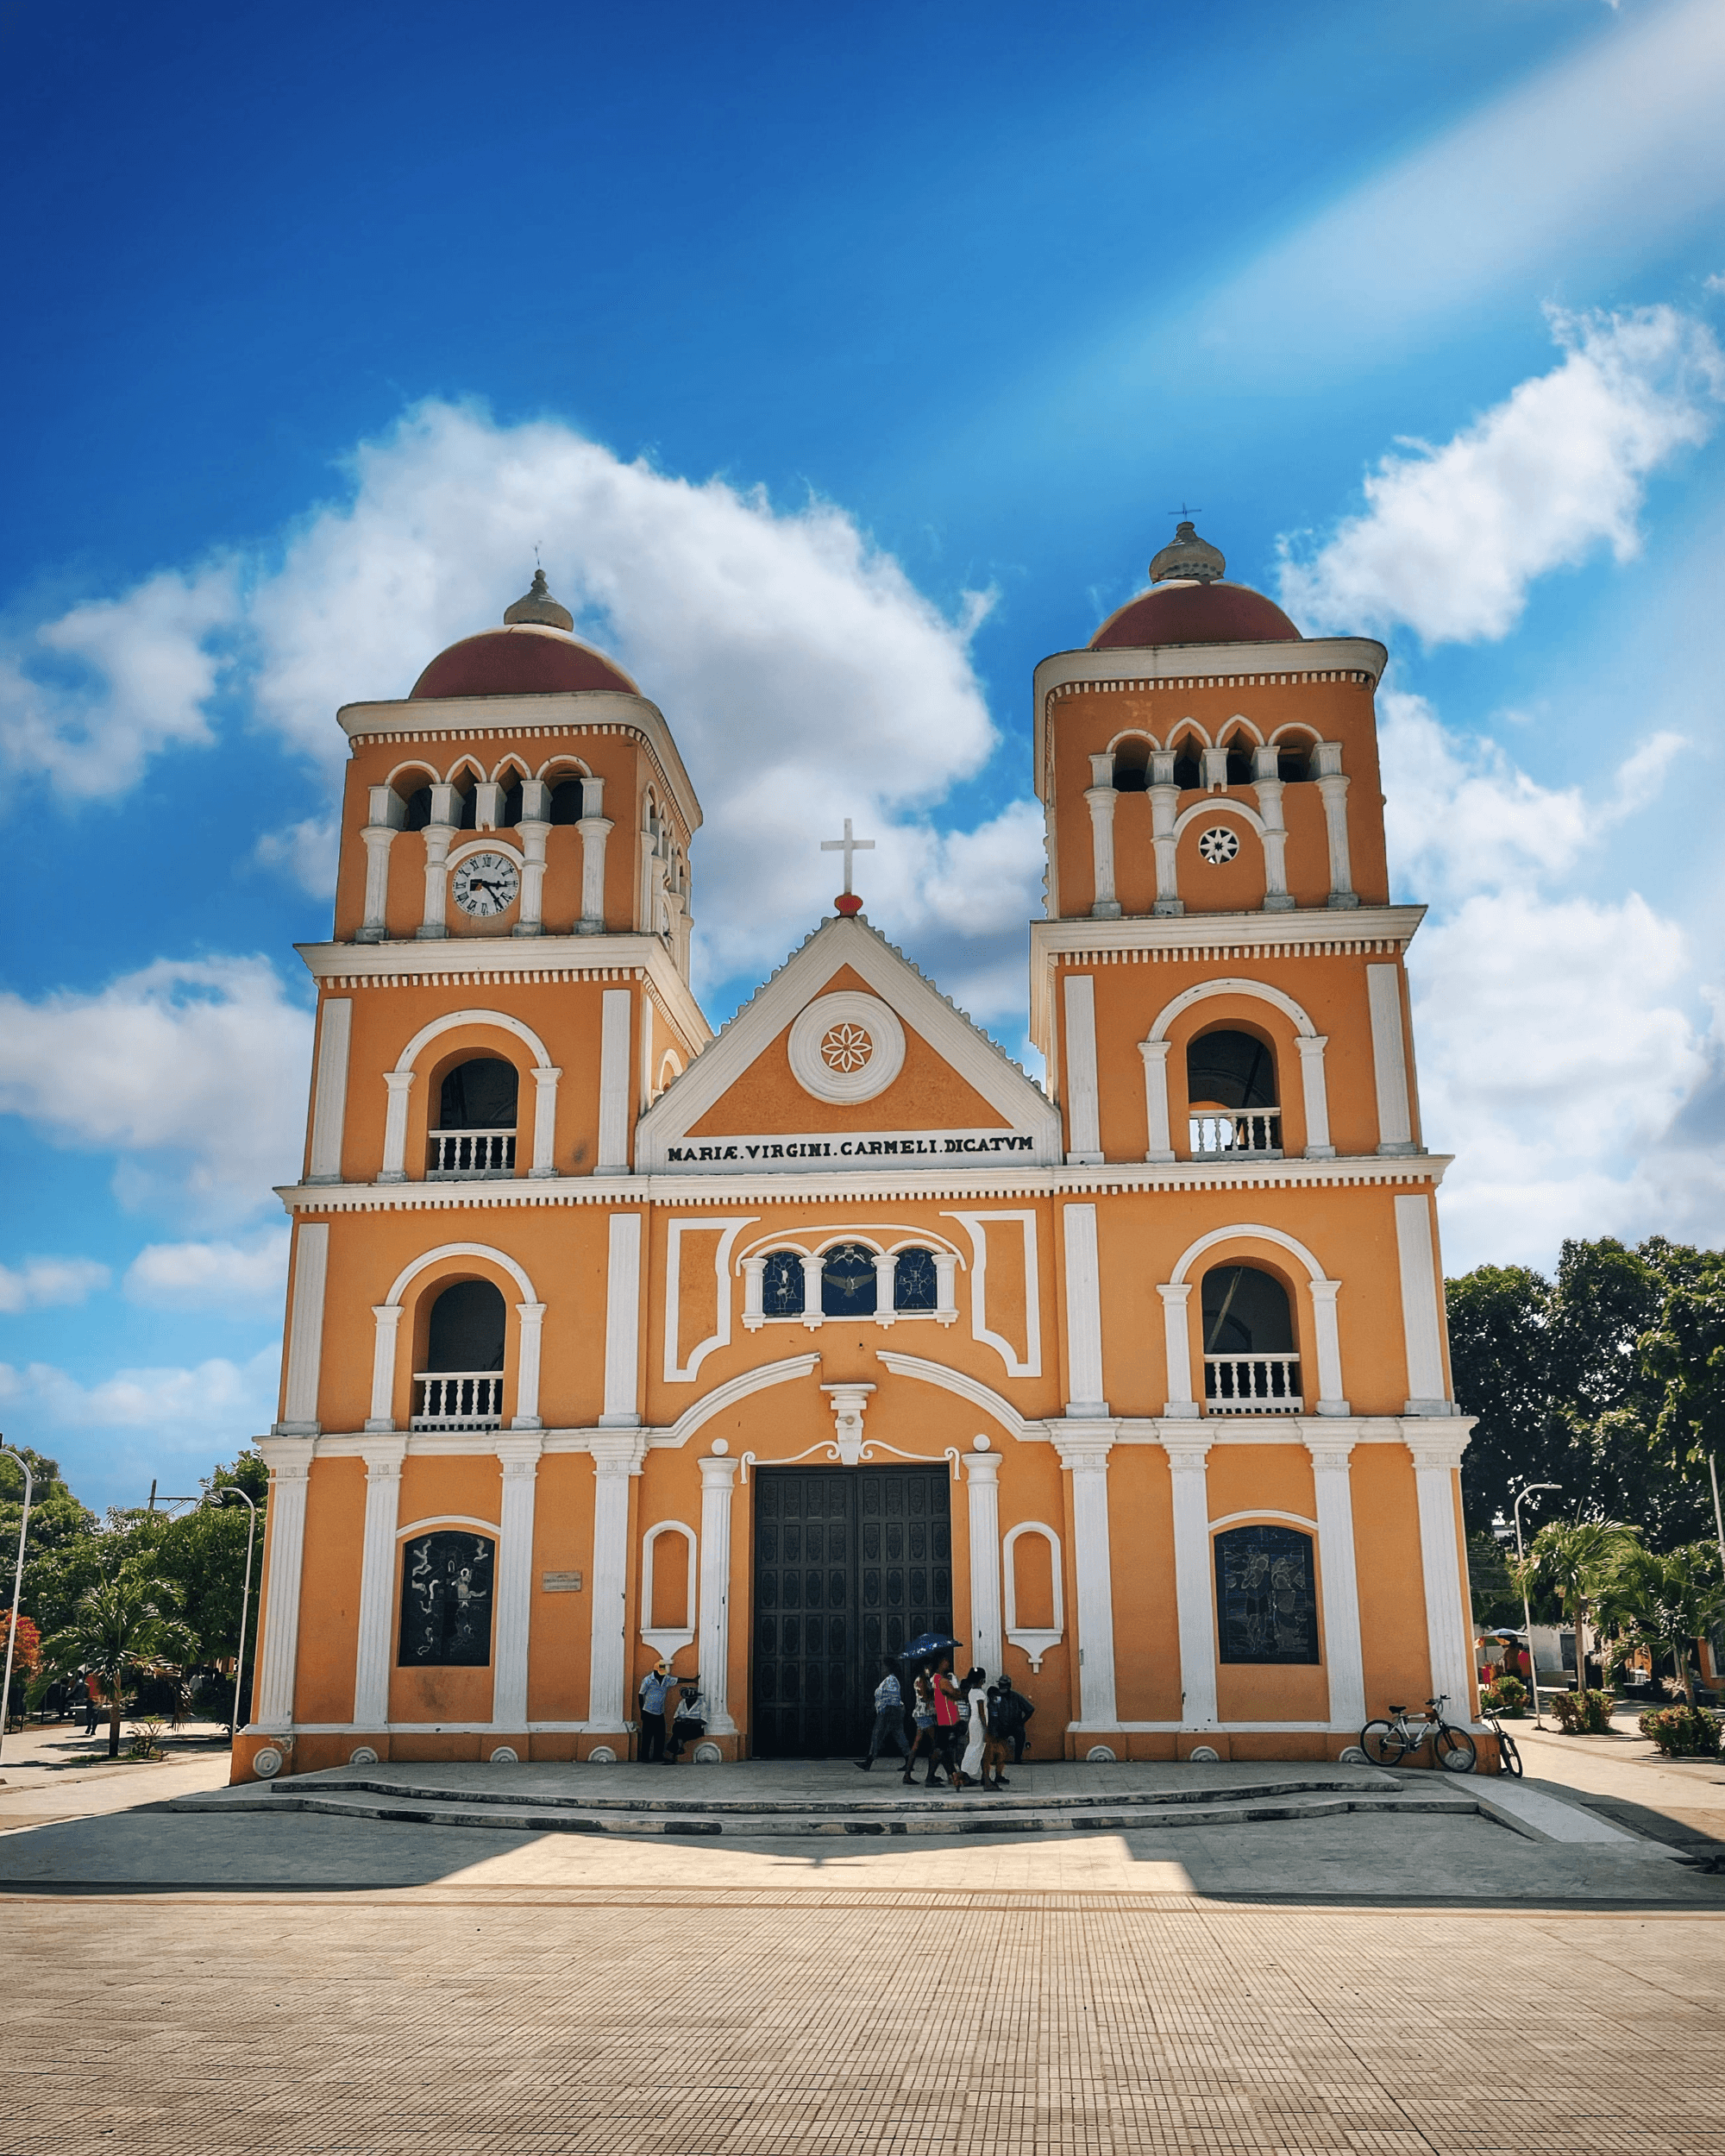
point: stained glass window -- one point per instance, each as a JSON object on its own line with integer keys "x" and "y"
{"x": 1266, "y": 1595}
{"x": 915, "y": 1284}
{"x": 848, "y": 1281}
{"x": 782, "y": 1285}
{"x": 446, "y": 1580}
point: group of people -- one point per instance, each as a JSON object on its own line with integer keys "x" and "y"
{"x": 668, "y": 1727}
{"x": 962, "y": 1726}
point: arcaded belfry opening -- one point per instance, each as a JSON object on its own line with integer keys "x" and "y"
{"x": 1230, "y": 1093}
{"x": 461, "y": 1387}
{"x": 1252, "y": 1362}
{"x": 478, "y": 1111}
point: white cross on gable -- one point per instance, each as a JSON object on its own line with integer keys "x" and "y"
{"x": 847, "y": 845}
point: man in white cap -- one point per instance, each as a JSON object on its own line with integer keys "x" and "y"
{"x": 657, "y": 1688}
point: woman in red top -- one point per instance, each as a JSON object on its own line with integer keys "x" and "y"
{"x": 949, "y": 1715}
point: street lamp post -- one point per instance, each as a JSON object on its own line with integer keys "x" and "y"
{"x": 1527, "y": 1611}
{"x": 17, "y": 1589}
{"x": 233, "y": 1489}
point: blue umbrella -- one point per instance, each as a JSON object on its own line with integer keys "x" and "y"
{"x": 926, "y": 1645}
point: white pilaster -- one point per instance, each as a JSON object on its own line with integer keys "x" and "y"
{"x": 616, "y": 1456}
{"x": 329, "y": 1089}
{"x": 1164, "y": 810}
{"x": 305, "y": 1331}
{"x": 379, "y": 839}
{"x": 1083, "y": 1311}
{"x": 1155, "y": 1055}
{"x": 982, "y": 1478}
{"x": 1419, "y": 1330}
{"x": 754, "y": 1286}
{"x": 622, "y": 1324}
{"x": 520, "y": 1458}
{"x": 388, "y": 1317}
{"x": 526, "y": 1415}
{"x": 1278, "y": 899}
{"x": 595, "y": 829}
{"x": 719, "y": 1478}
{"x": 1176, "y": 1335}
{"x": 885, "y": 1267}
{"x": 1332, "y": 785}
{"x": 545, "y": 1119}
{"x": 394, "y": 1168}
{"x": 613, "y": 1082}
{"x": 1082, "y": 1123}
{"x": 1084, "y": 1454}
{"x": 1329, "y": 1347}
{"x": 290, "y": 1467}
{"x": 1446, "y": 1626}
{"x": 813, "y": 1313}
{"x": 1390, "y": 1060}
{"x": 439, "y": 837}
{"x": 1193, "y": 1580}
{"x": 533, "y": 832}
{"x": 1315, "y": 1093}
{"x": 1102, "y": 799}
{"x": 1332, "y": 1482}
{"x": 372, "y": 1658}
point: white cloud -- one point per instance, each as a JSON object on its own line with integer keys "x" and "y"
{"x": 192, "y": 1072}
{"x": 1454, "y": 536}
{"x": 305, "y": 852}
{"x": 40, "y": 1282}
{"x": 218, "y": 1398}
{"x": 209, "y": 1276}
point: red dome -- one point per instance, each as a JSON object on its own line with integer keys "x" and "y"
{"x": 1197, "y": 613}
{"x": 526, "y": 660}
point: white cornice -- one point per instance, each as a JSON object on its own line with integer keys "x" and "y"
{"x": 879, "y": 1185}
{"x": 493, "y": 961}
{"x": 574, "y": 712}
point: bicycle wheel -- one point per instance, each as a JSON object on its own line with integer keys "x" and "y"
{"x": 1508, "y": 1753}
{"x": 1455, "y": 1750}
{"x": 1381, "y": 1744}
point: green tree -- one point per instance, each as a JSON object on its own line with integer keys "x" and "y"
{"x": 1578, "y": 1561}
{"x": 122, "y": 1629}
{"x": 1665, "y": 1603}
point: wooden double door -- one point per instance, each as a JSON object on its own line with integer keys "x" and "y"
{"x": 849, "y": 1563}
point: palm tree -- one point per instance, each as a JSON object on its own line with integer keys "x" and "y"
{"x": 1578, "y": 1560}
{"x": 1667, "y": 1603}
{"x": 121, "y": 1630}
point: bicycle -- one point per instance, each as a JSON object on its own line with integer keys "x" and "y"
{"x": 1386, "y": 1742}
{"x": 1509, "y": 1755}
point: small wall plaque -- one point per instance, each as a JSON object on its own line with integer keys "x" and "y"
{"x": 560, "y": 1582}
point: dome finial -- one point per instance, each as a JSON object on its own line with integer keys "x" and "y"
{"x": 1187, "y": 557}
{"x": 537, "y": 605}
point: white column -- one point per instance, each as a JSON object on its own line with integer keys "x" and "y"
{"x": 945, "y": 1287}
{"x": 514, "y": 1582}
{"x": 439, "y": 837}
{"x": 388, "y": 1317}
{"x": 372, "y": 1658}
{"x": 329, "y": 1089}
{"x": 1155, "y": 1055}
{"x": 1419, "y": 1330}
{"x": 1331, "y": 1479}
{"x": 1083, "y": 1311}
{"x": 1390, "y": 1059}
{"x": 615, "y": 1458}
{"x": 885, "y": 1267}
{"x": 1446, "y": 1625}
{"x": 1165, "y": 808}
{"x": 595, "y": 829}
{"x": 533, "y": 834}
{"x": 1084, "y": 1454}
{"x": 526, "y": 1415}
{"x": 1315, "y": 1092}
{"x": 754, "y": 1283}
{"x": 1278, "y": 899}
{"x": 718, "y": 1477}
{"x": 279, "y": 1650}
{"x": 1177, "y": 1340}
{"x": 1102, "y": 799}
{"x": 545, "y": 1119}
{"x": 379, "y": 839}
{"x": 1329, "y": 1347}
{"x": 1333, "y": 786}
{"x": 394, "y": 1168}
{"x": 613, "y": 1082}
{"x": 622, "y": 1324}
{"x": 1082, "y": 1125}
{"x": 305, "y": 1331}
{"x": 813, "y": 1313}
{"x": 983, "y": 1477}
{"x": 1193, "y": 1580}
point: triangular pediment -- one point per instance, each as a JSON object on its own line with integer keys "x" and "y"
{"x": 848, "y": 1058}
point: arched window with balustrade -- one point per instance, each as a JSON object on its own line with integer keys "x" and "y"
{"x": 1232, "y": 1103}
{"x": 460, "y": 1384}
{"x": 477, "y": 1113}
{"x": 1252, "y": 1360}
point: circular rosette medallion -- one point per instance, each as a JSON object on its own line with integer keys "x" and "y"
{"x": 1218, "y": 845}
{"x": 847, "y": 1047}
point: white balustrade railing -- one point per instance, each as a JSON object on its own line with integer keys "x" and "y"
{"x": 1252, "y": 1385}
{"x": 1236, "y": 1130}
{"x": 459, "y": 1400}
{"x": 471, "y": 1153}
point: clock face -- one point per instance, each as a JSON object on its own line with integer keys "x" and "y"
{"x": 486, "y": 884}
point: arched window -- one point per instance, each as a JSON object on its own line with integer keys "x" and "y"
{"x": 1188, "y": 766}
{"x": 566, "y": 800}
{"x": 848, "y": 1281}
{"x": 1132, "y": 767}
{"x": 446, "y": 1583}
{"x": 1266, "y": 1595}
{"x": 477, "y": 1109}
{"x": 1233, "y": 1072}
{"x": 467, "y": 803}
{"x": 1240, "y": 767}
{"x": 462, "y": 1381}
{"x": 782, "y": 1285}
{"x": 916, "y": 1285}
{"x": 1293, "y": 762}
{"x": 418, "y": 810}
{"x": 1251, "y": 1364}
{"x": 509, "y": 803}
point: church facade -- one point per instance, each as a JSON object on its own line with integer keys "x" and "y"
{"x": 612, "y": 1340}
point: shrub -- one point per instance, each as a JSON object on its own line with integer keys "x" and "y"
{"x": 1582, "y": 1714}
{"x": 1683, "y": 1732}
{"x": 147, "y": 1735}
{"x": 1508, "y": 1697}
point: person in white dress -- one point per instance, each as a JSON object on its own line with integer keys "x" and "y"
{"x": 973, "y": 1689}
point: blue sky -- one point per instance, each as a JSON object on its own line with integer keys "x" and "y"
{"x": 842, "y": 366}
